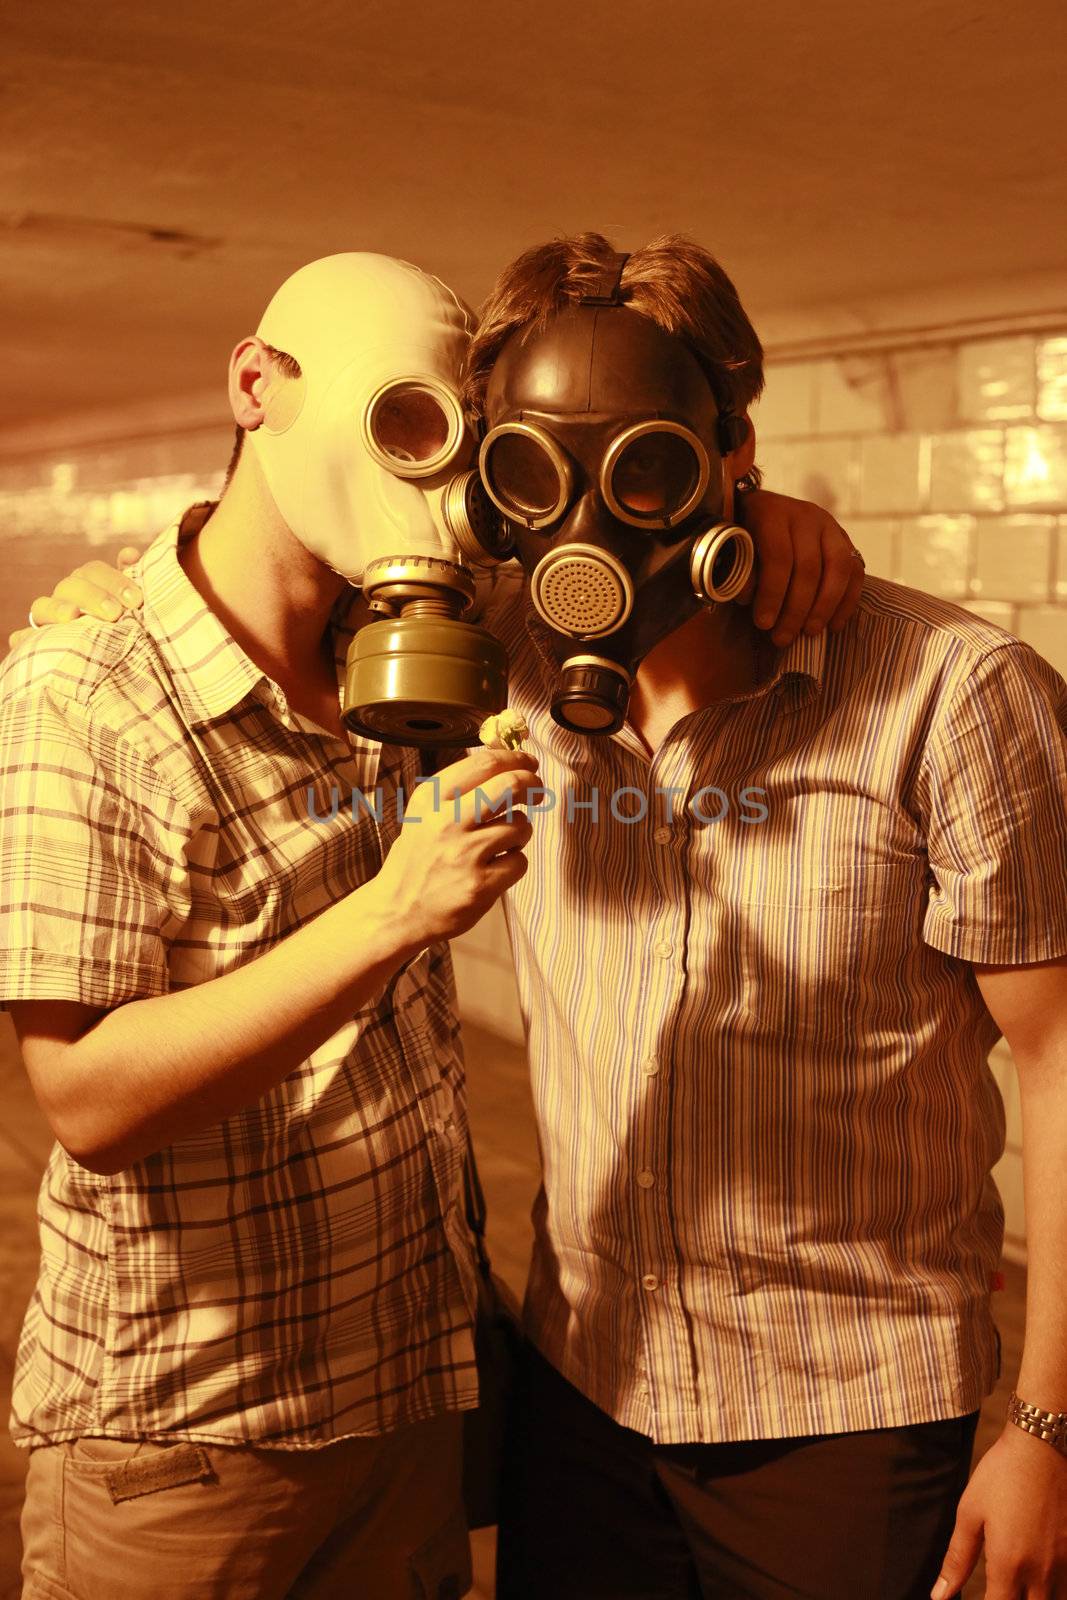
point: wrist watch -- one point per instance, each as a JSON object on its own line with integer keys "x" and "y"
{"x": 1048, "y": 1425}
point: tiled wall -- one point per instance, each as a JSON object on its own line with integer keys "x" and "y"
{"x": 946, "y": 461}
{"x": 947, "y": 464}
{"x": 60, "y": 508}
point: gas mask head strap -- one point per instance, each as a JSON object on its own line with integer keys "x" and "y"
{"x": 606, "y": 291}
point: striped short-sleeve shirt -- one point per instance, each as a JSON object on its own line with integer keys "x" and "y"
{"x": 301, "y": 1271}
{"x": 758, "y": 1050}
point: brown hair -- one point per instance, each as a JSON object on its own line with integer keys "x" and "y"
{"x": 289, "y": 367}
{"x": 672, "y": 281}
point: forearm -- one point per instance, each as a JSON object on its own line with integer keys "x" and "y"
{"x": 1043, "y": 1088}
{"x": 155, "y": 1070}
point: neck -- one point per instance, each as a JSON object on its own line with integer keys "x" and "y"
{"x": 273, "y": 597}
{"x": 717, "y": 653}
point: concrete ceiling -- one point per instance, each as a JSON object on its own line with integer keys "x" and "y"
{"x": 163, "y": 166}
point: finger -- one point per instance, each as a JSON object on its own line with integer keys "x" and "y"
{"x": 961, "y": 1558}
{"x": 504, "y": 792}
{"x": 746, "y": 595}
{"x": 850, "y": 599}
{"x": 17, "y": 637}
{"x": 506, "y": 870}
{"x": 98, "y": 589}
{"x": 111, "y": 581}
{"x": 47, "y": 609}
{"x": 462, "y": 776}
{"x": 807, "y": 572}
{"x": 128, "y": 556}
{"x": 838, "y": 568}
{"x": 502, "y": 836}
{"x": 774, "y": 564}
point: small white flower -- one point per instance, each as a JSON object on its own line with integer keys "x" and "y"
{"x": 505, "y": 730}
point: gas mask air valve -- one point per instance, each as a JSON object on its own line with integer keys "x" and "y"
{"x": 721, "y": 562}
{"x": 592, "y": 696}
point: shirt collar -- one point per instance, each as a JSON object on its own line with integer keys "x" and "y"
{"x": 211, "y": 674}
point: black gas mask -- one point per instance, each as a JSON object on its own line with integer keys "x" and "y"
{"x": 604, "y": 451}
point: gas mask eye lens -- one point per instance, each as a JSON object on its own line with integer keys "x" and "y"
{"x": 655, "y": 474}
{"x": 525, "y": 473}
{"x": 413, "y": 427}
{"x": 410, "y": 426}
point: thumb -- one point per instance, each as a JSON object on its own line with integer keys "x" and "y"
{"x": 961, "y": 1558}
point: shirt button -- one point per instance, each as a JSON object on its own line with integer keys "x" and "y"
{"x": 650, "y": 1282}
{"x": 662, "y": 835}
{"x": 646, "y": 1178}
{"x": 664, "y": 948}
{"x": 650, "y": 1065}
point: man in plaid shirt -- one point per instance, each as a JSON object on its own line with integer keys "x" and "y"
{"x": 240, "y": 1024}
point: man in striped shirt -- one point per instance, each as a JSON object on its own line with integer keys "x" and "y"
{"x": 241, "y": 1026}
{"x": 774, "y": 926}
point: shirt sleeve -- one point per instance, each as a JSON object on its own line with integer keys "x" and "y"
{"x": 89, "y": 845}
{"x": 993, "y": 784}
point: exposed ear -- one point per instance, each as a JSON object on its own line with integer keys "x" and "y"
{"x": 250, "y": 375}
{"x": 740, "y": 459}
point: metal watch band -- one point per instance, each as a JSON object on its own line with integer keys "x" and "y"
{"x": 1048, "y": 1425}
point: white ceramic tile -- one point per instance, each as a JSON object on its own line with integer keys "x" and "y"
{"x": 934, "y": 554}
{"x": 1045, "y": 627}
{"x": 894, "y": 473}
{"x": 487, "y": 994}
{"x": 1000, "y": 612}
{"x": 876, "y": 539}
{"x": 811, "y": 469}
{"x": 1035, "y": 466}
{"x": 925, "y": 389}
{"x": 1013, "y": 558}
{"x": 776, "y": 459}
{"x": 786, "y": 406}
{"x": 1008, "y": 1177}
{"x": 997, "y": 380}
{"x": 853, "y": 395}
{"x": 823, "y": 471}
{"x": 1052, "y": 379}
{"x": 967, "y": 470}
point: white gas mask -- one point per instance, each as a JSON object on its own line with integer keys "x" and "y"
{"x": 371, "y": 462}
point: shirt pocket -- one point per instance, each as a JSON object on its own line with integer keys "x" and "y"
{"x": 812, "y": 956}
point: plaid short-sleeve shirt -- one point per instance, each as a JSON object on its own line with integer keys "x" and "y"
{"x": 302, "y": 1270}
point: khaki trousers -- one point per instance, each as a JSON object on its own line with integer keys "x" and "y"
{"x": 362, "y": 1519}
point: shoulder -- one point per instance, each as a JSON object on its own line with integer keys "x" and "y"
{"x": 944, "y": 644}
{"x": 70, "y": 662}
{"x": 98, "y": 686}
{"x": 893, "y": 611}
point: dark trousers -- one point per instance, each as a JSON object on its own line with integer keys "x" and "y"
{"x": 595, "y": 1511}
